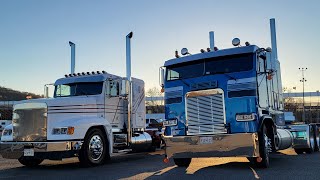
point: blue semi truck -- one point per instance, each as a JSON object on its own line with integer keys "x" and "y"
{"x": 225, "y": 102}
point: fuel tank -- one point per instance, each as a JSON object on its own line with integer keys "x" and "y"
{"x": 141, "y": 142}
{"x": 284, "y": 139}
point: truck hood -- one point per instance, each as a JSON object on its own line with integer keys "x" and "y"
{"x": 65, "y": 101}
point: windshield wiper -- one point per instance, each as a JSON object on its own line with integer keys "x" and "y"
{"x": 231, "y": 77}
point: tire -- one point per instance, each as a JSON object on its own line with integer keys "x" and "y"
{"x": 95, "y": 149}
{"x": 299, "y": 151}
{"x": 312, "y": 142}
{"x": 182, "y": 162}
{"x": 30, "y": 161}
{"x": 263, "y": 148}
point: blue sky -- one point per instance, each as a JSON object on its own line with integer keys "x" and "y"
{"x": 34, "y": 36}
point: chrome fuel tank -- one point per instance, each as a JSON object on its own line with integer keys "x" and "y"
{"x": 284, "y": 140}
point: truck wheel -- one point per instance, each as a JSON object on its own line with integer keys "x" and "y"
{"x": 299, "y": 151}
{"x": 182, "y": 162}
{"x": 312, "y": 143}
{"x": 95, "y": 150}
{"x": 30, "y": 161}
{"x": 264, "y": 146}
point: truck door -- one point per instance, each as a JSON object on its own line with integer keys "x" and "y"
{"x": 114, "y": 109}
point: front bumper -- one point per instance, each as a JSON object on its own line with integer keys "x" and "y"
{"x": 44, "y": 150}
{"x": 223, "y": 145}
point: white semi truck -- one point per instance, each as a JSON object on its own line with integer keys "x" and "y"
{"x": 92, "y": 116}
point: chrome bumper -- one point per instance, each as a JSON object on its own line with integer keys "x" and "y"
{"x": 15, "y": 150}
{"x": 223, "y": 145}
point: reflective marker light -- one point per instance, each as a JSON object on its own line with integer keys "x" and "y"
{"x": 70, "y": 130}
{"x": 83, "y": 73}
{"x": 202, "y": 50}
{"x": 104, "y": 72}
{"x": 92, "y": 72}
{"x": 98, "y": 72}
{"x": 215, "y": 48}
{"x": 66, "y": 75}
{"x": 208, "y": 49}
{"x": 88, "y": 73}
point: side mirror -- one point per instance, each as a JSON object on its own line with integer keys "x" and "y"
{"x": 125, "y": 87}
{"x": 161, "y": 76}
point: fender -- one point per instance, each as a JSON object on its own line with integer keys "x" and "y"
{"x": 266, "y": 119}
{"x": 81, "y": 125}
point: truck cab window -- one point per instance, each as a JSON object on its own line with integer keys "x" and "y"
{"x": 113, "y": 88}
{"x": 78, "y": 89}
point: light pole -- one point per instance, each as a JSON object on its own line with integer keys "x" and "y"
{"x": 303, "y": 80}
{"x": 318, "y": 106}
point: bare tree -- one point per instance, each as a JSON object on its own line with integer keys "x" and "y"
{"x": 154, "y": 105}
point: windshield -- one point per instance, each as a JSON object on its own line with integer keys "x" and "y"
{"x": 78, "y": 89}
{"x": 215, "y": 65}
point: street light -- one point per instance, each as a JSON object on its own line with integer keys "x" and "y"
{"x": 303, "y": 80}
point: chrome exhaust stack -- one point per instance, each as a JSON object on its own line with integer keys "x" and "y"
{"x": 73, "y": 56}
{"x": 211, "y": 37}
{"x": 130, "y": 96}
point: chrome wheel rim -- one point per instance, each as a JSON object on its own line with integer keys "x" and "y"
{"x": 95, "y": 147}
{"x": 267, "y": 146}
{"x": 312, "y": 143}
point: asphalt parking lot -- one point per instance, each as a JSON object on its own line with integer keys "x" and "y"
{"x": 285, "y": 165}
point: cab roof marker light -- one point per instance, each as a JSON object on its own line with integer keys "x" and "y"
{"x": 215, "y": 48}
{"x": 70, "y": 75}
{"x": 74, "y": 74}
{"x": 83, "y": 73}
{"x": 79, "y": 74}
{"x": 202, "y": 51}
{"x": 247, "y": 43}
{"x": 208, "y": 49}
{"x": 66, "y": 75}
{"x": 93, "y": 72}
{"x": 104, "y": 72}
{"x": 98, "y": 72}
{"x": 88, "y": 73}
{"x": 177, "y": 54}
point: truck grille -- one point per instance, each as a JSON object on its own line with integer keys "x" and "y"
{"x": 30, "y": 122}
{"x": 205, "y": 112}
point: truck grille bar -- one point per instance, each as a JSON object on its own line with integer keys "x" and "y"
{"x": 205, "y": 112}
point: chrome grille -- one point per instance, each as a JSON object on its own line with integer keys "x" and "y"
{"x": 30, "y": 122}
{"x": 205, "y": 112}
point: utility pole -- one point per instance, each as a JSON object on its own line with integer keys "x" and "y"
{"x": 303, "y": 80}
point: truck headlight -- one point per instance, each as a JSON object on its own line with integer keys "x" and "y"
{"x": 170, "y": 122}
{"x": 63, "y": 131}
{"x": 246, "y": 117}
{"x": 7, "y": 132}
